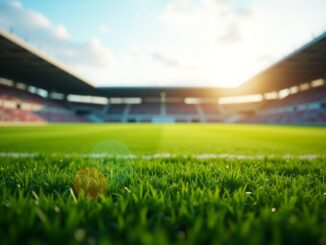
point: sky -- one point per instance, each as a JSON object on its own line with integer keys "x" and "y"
{"x": 218, "y": 43}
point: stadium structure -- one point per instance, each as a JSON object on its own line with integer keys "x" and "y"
{"x": 37, "y": 89}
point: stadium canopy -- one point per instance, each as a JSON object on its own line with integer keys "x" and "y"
{"x": 303, "y": 65}
{"x": 21, "y": 63}
{"x": 183, "y": 92}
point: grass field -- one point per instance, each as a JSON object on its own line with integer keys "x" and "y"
{"x": 145, "y": 184}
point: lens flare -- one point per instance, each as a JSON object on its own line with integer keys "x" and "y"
{"x": 90, "y": 183}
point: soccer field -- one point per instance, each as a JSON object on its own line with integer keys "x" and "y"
{"x": 163, "y": 184}
{"x": 179, "y": 139}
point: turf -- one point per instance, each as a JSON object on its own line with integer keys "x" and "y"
{"x": 181, "y": 139}
{"x": 180, "y": 199}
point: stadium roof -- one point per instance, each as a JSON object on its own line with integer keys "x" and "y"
{"x": 303, "y": 65}
{"x": 201, "y": 92}
{"x": 22, "y": 63}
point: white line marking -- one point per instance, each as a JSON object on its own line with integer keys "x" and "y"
{"x": 17, "y": 154}
{"x": 162, "y": 156}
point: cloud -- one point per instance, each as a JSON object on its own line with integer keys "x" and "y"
{"x": 55, "y": 40}
{"x": 231, "y": 35}
{"x": 91, "y": 53}
{"x": 103, "y": 28}
{"x": 165, "y": 60}
{"x": 217, "y": 18}
{"x": 152, "y": 55}
{"x": 61, "y": 32}
{"x": 13, "y": 15}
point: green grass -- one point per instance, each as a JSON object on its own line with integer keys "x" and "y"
{"x": 185, "y": 139}
{"x": 165, "y": 200}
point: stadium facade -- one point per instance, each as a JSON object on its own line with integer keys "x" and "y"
{"x": 35, "y": 88}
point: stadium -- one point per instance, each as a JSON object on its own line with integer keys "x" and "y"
{"x": 292, "y": 91}
{"x": 82, "y": 163}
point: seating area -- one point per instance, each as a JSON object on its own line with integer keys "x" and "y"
{"x": 91, "y": 106}
{"x": 17, "y": 115}
{"x": 59, "y": 117}
{"x": 181, "y": 109}
{"x": 116, "y": 109}
{"x": 145, "y": 109}
{"x": 316, "y": 116}
{"x": 210, "y": 109}
{"x": 303, "y": 97}
{"x": 13, "y": 94}
{"x": 21, "y": 106}
{"x": 305, "y": 107}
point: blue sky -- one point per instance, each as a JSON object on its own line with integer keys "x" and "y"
{"x": 135, "y": 19}
{"x": 165, "y": 42}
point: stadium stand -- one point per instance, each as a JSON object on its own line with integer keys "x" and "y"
{"x": 181, "y": 109}
{"x": 79, "y": 106}
{"x": 16, "y": 115}
{"x": 115, "y": 113}
{"x": 304, "y": 69}
{"x": 12, "y": 94}
{"x": 314, "y": 116}
{"x": 305, "y": 107}
{"x": 22, "y": 106}
{"x": 145, "y": 109}
{"x": 116, "y": 109}
{"x": 210, "y": 109}
{"x": 303, "y": 97}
